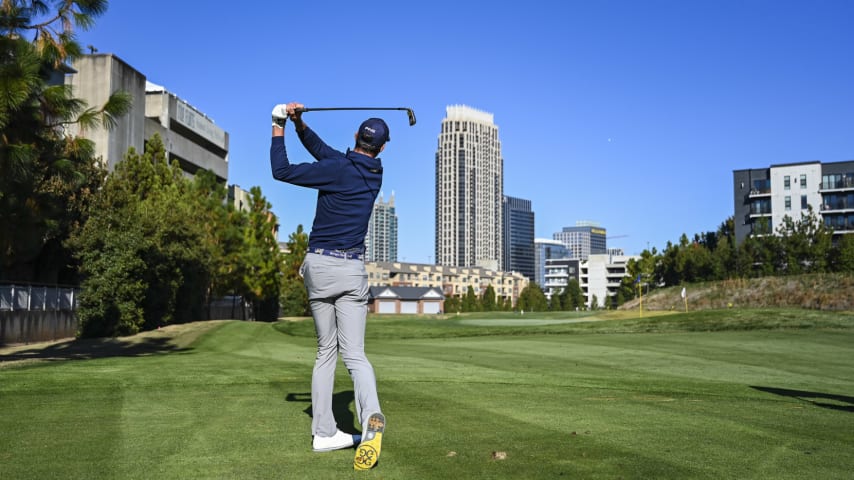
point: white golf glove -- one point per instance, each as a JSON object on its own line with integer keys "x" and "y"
{"x": 280, "y": 115}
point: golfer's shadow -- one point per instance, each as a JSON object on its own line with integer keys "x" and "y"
{"x": 340, "y": 408}
{"x": 832, "y": 401}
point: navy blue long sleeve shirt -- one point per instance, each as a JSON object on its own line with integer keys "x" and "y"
{"x": 347, "y": 185}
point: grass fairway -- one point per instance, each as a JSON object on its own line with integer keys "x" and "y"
{"x": 763, "y": 394}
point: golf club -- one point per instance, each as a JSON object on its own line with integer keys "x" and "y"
{"x": 409, "y": 111}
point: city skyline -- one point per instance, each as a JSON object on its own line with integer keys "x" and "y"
{"x": 631, "y": 114}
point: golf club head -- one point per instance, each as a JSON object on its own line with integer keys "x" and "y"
{"x": 411, "y": 116}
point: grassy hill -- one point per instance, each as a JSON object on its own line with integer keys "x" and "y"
{"x": 817, "y": 291}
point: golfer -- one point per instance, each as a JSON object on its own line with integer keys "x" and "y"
{"x": 334, "y": 271}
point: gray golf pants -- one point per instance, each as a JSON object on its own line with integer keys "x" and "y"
{"x": 338, "y": 294}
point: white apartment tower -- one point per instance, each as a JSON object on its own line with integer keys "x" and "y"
{"x": 469, "y": 190}
{"x": 381, "y": 240}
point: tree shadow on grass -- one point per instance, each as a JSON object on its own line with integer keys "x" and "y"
{"x": 340, "y": 408}
{"x": 86, "y": 349}
{"x": 824, "y": 400}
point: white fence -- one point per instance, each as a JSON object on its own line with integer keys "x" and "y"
{"x": 35, "y": 313}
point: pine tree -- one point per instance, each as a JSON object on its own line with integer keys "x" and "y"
{"x": 294, "y": 298}
{"x": 262, "y": 258}
{"x": 470, "y": 301}
{"x": 487, "y": 302}
{"x": 48, "y": 178}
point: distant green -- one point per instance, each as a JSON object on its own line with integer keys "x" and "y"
{"x": 743, "y": 394}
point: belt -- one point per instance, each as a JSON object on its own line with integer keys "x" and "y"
{"x": 345, "y": 254}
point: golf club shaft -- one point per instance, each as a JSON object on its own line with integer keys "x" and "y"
{"x": 409, "y": 111}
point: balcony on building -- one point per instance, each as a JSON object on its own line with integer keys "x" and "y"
{"x": 760, "y": 211}
{"x": 759, "y": 192}
{"x": 837, "y": 183}
{"x": 840, "y": 223}
{"x": 760, "y": 188}
{"x": 833, "y": 204}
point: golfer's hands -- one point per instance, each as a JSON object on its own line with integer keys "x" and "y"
{"x": 280, "y": 115}
{"x": 294, "y": 110}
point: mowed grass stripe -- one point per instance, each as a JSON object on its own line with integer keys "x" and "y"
{"x": 616, "y": 419}
{"x": 233, "y": 403}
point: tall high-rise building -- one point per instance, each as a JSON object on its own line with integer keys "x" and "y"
{"x": 518, "y": 236}
{"x": 469, "y": 190}
{"x": 584, "y": 239}
{"x": 381, "y": 239}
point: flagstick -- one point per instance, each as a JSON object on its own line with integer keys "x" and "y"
{"x": 640, "y": 289}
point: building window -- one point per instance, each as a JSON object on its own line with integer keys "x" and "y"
{"x": 787, "y": 182}
{"x": 803, "y": 180}
{"x": 788, "y": 203}
{"x": 803, "y": 202}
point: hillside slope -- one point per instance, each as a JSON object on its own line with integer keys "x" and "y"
{"x": 817, "y": 291}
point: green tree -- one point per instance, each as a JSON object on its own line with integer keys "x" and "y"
{"x": 223, "y": 228}
{"x": 142, "y": 249}
{"x": 793, "y": 245}
{"x": 262, "y": 258}
{"x": 452, "y": 304}
{"x": 724, "y": 261}
{"x": 294, "y": 298}
{"x": 649, "y": 265}
{"x": 725, "y": 252}
{"x": 48, "y": 178}
{"x": 487, "y": 301}
{"x": 842, "y": 255}
{"x": 626, "y": 291}
{"x": 556, "y": 302}
{"x": 572, "y": 296}
{"x": 470, "y": 301}
{"x": 759, "y": 253}
{"x": 507, "y": 304}
{"x": 532, "y": 299}
{"x": 804, "y": 244}
{"x": 698, "y": 263}
{"x": 618, "y": 299}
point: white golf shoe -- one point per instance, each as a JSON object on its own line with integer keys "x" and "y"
{"x": 335, "y": 442}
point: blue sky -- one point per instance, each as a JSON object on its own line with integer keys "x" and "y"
{"x": 629, "y": 113}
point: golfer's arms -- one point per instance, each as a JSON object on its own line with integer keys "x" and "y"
{"x": 320, "y": 175}
{"x": 315, "y": 146}
{"x": 279, "y": 163}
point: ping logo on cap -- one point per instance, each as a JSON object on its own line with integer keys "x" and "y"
{"x": 374, "y": 132}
